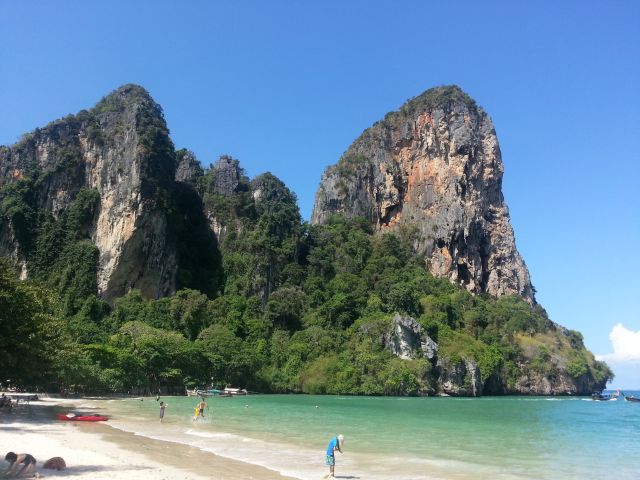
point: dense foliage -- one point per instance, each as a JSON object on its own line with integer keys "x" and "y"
{"x": 276, "y": 306}
{"x": 321, "y": 329}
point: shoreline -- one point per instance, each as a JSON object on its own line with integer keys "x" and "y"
{"x": 99, "y": 451}
{"x": 279, "y": 437}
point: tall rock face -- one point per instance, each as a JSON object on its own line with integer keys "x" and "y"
{"x": 434, "y": 164}
{"x": 120, "y": 149}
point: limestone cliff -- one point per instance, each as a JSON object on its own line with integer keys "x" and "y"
{"x": 101, "y": 203}
{"x": 121, "y": 149}
{"x": 434, "y": 164}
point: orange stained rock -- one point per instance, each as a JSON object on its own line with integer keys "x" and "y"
{"x": 424, "y": 119}
{"x": 445, "y": 259}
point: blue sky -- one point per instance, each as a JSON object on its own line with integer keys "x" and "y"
{"x": 286, "y": 86}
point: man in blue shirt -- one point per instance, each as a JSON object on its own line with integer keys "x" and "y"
{"x": 336, "y": 443}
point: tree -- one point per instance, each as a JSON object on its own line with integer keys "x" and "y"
{"x": 167, "y": 357}
{"x": 29, "y": 329}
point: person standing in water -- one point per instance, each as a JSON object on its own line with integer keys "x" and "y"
{"x": 200, "y": 409}
{"x": 336, "y": 443}
{"x": 162, "y": 407}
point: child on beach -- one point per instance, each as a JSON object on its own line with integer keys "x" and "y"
{"x": 162, "y": 407}
{"x": 25, "y": 459}
{"x": 336, "y": 443}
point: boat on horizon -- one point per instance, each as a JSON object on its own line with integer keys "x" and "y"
{"x": 600, "y": 397}
{"x": 631, "y": 398}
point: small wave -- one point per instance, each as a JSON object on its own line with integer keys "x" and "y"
{"x": 197, "y": 433}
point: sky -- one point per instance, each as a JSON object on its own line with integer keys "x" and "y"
{"x": 286, "y": 86}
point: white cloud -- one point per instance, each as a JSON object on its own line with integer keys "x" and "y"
{"x": 626, "y": 346}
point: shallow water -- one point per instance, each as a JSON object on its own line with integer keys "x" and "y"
{"x": 403, "y": 438}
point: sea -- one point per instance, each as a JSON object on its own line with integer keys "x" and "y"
{"x": 508, "y": 438}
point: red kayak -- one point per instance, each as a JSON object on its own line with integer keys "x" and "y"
{"x": 79, "y": 417}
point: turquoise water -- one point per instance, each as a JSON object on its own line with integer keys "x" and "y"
{"x": 404, "y": 438}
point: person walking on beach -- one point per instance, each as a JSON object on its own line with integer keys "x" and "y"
{"x": 25, "y": 459}
{"x": 336, "y": 443}
{"x": 162, "y": 407}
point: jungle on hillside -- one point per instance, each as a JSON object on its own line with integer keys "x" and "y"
{"x": 303, "y": 309}
{"x": 220, "y": 281}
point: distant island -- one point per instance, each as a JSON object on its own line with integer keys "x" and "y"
{"x": 128, "y": 267}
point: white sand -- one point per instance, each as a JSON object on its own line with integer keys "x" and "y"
{"x": 96, "y": 451}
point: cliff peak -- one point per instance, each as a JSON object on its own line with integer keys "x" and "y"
{"x": 130, "y": 91}
{"x": 434, "y": 164}
{"x": 128, "y": 97}
{"x": 440, "y": 96}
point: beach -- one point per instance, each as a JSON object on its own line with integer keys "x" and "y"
{"x": 97, "y": 451}
{"x": 277, "y": 437}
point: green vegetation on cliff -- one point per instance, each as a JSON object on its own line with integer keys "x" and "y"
{"x": 267, "y": 302}
{"x": 320, "y": 327}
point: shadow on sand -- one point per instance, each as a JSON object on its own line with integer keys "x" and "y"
{"x": 80, "y": 470}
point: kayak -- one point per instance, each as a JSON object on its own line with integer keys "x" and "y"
{"x": 79, "y": 417}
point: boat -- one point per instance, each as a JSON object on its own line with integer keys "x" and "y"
{"x": 600, "y": 397}
{"x": 631, "y": 398}
{"x": 192, "y": 393}
{"x": 235, "y": 391}
{"x": 82, "y": 417}
{"x": 211, "y": 392}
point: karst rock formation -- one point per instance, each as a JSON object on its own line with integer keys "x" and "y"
{"x": 435, "y": 166}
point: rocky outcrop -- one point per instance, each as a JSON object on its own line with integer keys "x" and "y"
{"x": 407, "y": 339}
{"x": 560, "y": 383}
{"x": 121, "y": 149}
{"x": 10, "y": 247}
{"x": 188, "y": 167}
{"x": 226, "y": 176}
{"x": 459, "y": 373}
{"x": 223, "y": 187}
{"x": 460, "y": 378}
{"x": 435, "y": 164}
